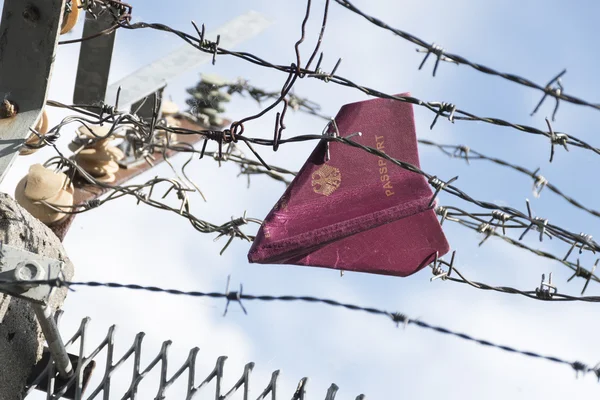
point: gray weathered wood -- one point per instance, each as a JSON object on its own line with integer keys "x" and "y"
{"x": 21, "y": 339}
{"x": 28, "y": 38}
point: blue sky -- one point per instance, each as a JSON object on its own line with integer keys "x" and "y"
{"x": 362, "y": 354}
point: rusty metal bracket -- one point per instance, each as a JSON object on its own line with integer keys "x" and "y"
{"x": 29, "y": 33}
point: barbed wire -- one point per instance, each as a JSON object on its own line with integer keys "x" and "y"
{"x": 557, "y": 92}
{"x": 239, "y": 296}
{"x": 487, "y": 224}
{"x": 539, "y": 181}
{"x": 545, "y": 292}
{"x": 440, "y": 109}
{"x": 74, "y": 387}
{"x": 528, "y": 221}
{"x": 144, "y": 143}
{"x": 297, "y": 103}
{"x": 143, "y": 192}
{"x": 230, "y": 136}
{"x": 142, "y": 138}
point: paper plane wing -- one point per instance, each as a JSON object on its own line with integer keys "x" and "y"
{"x": 357, "y": 211}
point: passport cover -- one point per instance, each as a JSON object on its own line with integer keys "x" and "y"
{"x": 356, "y": 211}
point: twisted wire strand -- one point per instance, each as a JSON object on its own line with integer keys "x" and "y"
{"x": 457, "y": 59}
{"x": 539, "y": 293}
{"x": 468, "y": 154}
{"x": 527, "y": 220}
{"x": 396, "y": 317}
{"x": 440, "y": 109}
{"x": 479, "y": 223}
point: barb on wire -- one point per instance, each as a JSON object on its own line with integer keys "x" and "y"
{"x": 143, "y": 193}
{"x": 295, "y": 72}
{"x": 535, "y": 222}
{"x": 552, "y": 91}
{"x": 585, "y": 274}
{"x": 439, "y": 54}
{"x": 395, "y": 317}
{"x": 547, "y": 291}
{"x": 556, "y": 138}
{"x": 539, "y": 181}
{"x": 119, "y": 10}
{"x": 228, "y": 135}
{"x": 477, "y": 222}
{"x": 104, "y": 355}
{"x": 243, "y": 87}
{"x": 548, "y": 89}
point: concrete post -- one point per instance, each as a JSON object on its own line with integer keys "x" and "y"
{"x": 21, "y": 339}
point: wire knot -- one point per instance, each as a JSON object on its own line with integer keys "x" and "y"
{"x": 539, "y": 182}
{"x": 580, "y": 367}
{"x": 399, "y": 318}
{"x": 436, "y": 50}
{"x": 227, "y": 136}
{"x": 581, "y": 241}
{"x": 553, "y": 91}
{"x": 537, "y": 223}
{"x": 486, "y": 229}
{"x": 556, "y": 138}
{"x": 462, "y": 151}
{"x": 107, "y": 109}
{"x": 322, "y": 75}
{"x": 596, "y": 371}
{"x": 437, "y": 269}
{"x": 443, "y": 212}
{"x": 501, "y": 216}
{"x": 205, "y": 44}
{"x": 93, "y": 203}
{"x": 439, "y": 185}
{"x": 234, "y": 296}
{"x": 546, "y": 290}
{"x": 240, "y": 221}
{"x": 443, "y": 108}
{"x": 584, "y": 273}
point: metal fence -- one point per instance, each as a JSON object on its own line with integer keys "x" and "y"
{"x": 103, "y": 355}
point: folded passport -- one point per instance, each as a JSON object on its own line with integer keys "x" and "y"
{"x": 357, "y": 211}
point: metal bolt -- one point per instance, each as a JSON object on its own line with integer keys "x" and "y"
{"x": 28, "y": 271}
{"x": 31, "y": 13}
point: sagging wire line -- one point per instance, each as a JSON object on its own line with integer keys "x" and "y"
{"x": 488, "y": 224}
{"x": 539, "y": 182}
{"x": 553, "y": 88}
{"x": 396, "y": 317}
{"x": 545, "y": 292}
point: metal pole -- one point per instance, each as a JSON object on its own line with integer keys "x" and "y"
{"x": 56, "y": 346}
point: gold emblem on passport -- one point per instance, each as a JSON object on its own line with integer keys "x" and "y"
{"x": 326, "y": 180}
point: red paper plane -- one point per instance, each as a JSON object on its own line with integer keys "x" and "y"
{"x": 354, "y": 211}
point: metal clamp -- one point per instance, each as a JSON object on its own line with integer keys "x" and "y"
{"x": 20, "y": 273}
